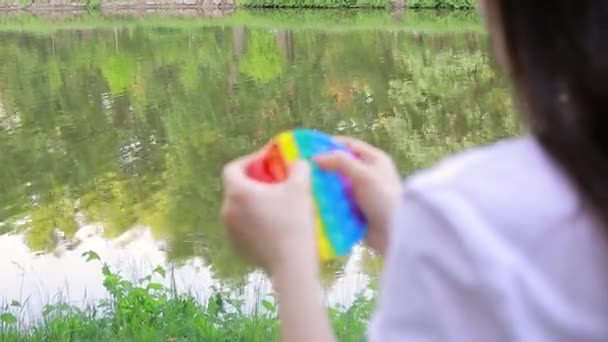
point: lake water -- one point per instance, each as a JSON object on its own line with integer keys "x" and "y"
{"x": 113, "y": 132}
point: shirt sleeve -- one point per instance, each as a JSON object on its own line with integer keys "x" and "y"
{"x": 431, "y": 288}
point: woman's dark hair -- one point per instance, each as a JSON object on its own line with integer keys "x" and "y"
{"x": 558, "y": 58}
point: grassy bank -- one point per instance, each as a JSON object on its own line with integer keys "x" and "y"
{"x": 418, "y": 4}
{"x": 415, "y": 21}
{"x": 315, "y": 3}
{"x": 145, "y": 310}
{"x": 439, "y": 4}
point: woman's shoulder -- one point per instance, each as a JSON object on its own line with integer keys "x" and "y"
{"x": 502, "y": 160}
{"x": 489, "y": 237}
{"x": 511, "y": 183}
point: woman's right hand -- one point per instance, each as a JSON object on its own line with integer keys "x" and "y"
{"x": 376, "y": 184}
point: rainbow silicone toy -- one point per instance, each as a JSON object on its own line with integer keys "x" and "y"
{"x": 339, "y": 222}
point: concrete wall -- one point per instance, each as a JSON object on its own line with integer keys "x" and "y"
{"x": 109, "y": 5}
{"x": 167, "y": 3}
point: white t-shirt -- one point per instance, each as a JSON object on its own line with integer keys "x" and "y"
{"x": 493, "y": 244}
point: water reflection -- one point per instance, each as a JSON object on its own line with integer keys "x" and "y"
{"x": 126, "y": 130}
{"x": 65, "y": 276}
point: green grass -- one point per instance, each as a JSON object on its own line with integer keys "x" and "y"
{"x": 330, "y": 20}
{"x": 145, "y": 310}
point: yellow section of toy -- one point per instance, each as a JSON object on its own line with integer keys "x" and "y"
{"x": 289, "y": 151}
{"x": 289, "y": 147}
{"x": 326, "y": 252}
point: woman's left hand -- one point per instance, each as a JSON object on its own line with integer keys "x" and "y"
{"x": 273, "y": 225}
{"x": 270, "y": 224}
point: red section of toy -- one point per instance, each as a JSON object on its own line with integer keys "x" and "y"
{"x": 275, "y": 164}
{"x": 270, "y": 168}
{"x": 257, "y": 170}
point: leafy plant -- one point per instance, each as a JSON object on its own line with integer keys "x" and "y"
{"x": 26, "y": 3}
{"x": 91, "y": 5}
{"x": 144, "y": 310}
{"x": 452, "y": 4}
{"x": 8, "y": 318}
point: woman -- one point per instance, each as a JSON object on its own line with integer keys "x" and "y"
{"x": 501, "y": 243}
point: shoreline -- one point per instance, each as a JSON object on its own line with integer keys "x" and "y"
{"x": 226, "y": 5}
{"x": 54, "y": 14}
{"x": 211, "y": 5}
{"x": 415, "y": 21}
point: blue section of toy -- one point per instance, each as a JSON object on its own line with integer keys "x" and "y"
{"x": 344, "y": 224}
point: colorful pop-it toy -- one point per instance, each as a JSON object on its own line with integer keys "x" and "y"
{"x": 339, "y": 222}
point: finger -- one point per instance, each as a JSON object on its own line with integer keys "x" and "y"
{"x": 361, "y": 148}
{"x": 239, "y": 246}
{"x": 299, "y": 174}
{"x": 235, "y": 171}
{"x": 343, "y": 163}
{"x": 245, "y": 160}
{"x": 226, "y": 213}
{"x": 238, "y": 188}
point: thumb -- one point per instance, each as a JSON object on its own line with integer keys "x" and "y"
{"x": 299, "y": 174}
{"x": 343, "y": 163}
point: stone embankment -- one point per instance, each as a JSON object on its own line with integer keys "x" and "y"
{"x": 196, "y": 7}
